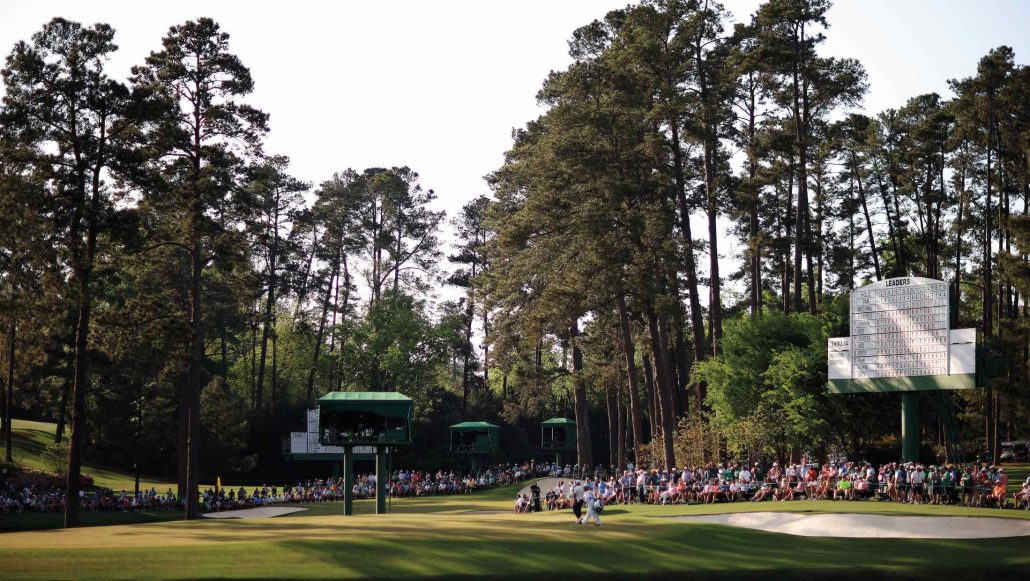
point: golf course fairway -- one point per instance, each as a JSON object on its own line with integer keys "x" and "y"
{"x": 478, "y": 534}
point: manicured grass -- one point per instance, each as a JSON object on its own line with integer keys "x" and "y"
{"x": 37, "y": 521}
{"x": 479, "y": 535}
{"x": 30, "y": 437}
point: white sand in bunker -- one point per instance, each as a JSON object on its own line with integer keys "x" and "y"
{"x": 870, "y": 526}
{"x": 260, "y": 512}
{"x": 545, "y": 484}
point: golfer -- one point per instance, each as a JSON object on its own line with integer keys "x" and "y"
{"x": 577, "y": 502}
{"x": 592, "y": 503}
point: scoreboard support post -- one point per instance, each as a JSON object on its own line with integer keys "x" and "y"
{"x": 910, "y": 426}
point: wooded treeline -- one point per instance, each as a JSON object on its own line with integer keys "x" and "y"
{"x": 669, "y": 123}
{"x": 172, "y": 292}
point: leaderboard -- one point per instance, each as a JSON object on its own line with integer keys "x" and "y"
{"x": 899, "y": 328}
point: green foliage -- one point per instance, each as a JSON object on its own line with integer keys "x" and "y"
{"x": 760, "y": 356}
{"x": 396, "y": 348}
{"x": 218, "y": 291}
{"x": 55, "y": 457}
{"x": 766, "y": 388}
{"x": 225, "y": 430}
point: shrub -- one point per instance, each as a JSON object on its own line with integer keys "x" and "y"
{"x": 55, "y": 457}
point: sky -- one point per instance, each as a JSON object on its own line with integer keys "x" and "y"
{"x": 439, "y": 86}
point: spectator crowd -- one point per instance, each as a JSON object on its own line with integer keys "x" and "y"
{"x": 974, "y": 485}
{"x": 43, "y": 498}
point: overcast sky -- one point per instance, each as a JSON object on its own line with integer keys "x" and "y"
{"x": 438, "y": 86}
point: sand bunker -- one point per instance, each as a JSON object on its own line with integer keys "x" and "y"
{"x": 868, "y": 526}
{"x": 545, "y": 484}
{"x": 260, "y": 512}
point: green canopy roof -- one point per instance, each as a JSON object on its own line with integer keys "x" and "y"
{"x": 368, "y": 396}
{"x": 558, "y": 422}
{"x": 385, "y": 403}
{"x": 475, "y": 426}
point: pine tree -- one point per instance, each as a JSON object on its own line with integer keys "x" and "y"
{"x": 201, "y": 137}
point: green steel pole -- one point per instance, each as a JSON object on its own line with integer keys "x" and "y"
{"x": 348, "y": 480}
{"x": 910, "y": 426}
{"x": 381, "y": 478}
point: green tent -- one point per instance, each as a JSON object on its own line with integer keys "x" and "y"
{"x": 558, "y": 434}
{"x": 475, "y": 438}
{"x": 364, "y": 417}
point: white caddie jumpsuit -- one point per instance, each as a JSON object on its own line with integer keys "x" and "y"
{"x": 592, "y": 514}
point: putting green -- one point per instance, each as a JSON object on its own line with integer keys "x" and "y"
{"x": 479, "y": 535}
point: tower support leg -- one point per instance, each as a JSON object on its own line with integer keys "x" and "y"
{"x": 348, "y": 480}
{"x": 381, "y": 478}
{"x": 910, "y": 426}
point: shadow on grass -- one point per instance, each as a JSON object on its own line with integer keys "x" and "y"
{"x": 454, "y": 548}
{"x": 667, "y": 552}
{"x": 37, "y": 521}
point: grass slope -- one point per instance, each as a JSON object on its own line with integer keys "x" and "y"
{"x": 478, "y": 535}
{"x": 30, "y": 437}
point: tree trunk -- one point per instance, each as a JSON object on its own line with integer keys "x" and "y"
{"x": 754, "y": 242}
{"x": 183, "y": 417}
{"x": 709, "y": 144}
{"x": 715, "y": 283}
{"x": 868, "y": 220}
{"x": 76, "y": 441}
{"x": 3, "y": 404}
{"x": 620, "y": 459}
{"x": 820, "y": 241}
{"x": 62, "y": 408}
{"x": 629, "y": 351}
{"x": 659, "y": 347}
{"x": 320, "y": 334}
{"x": 584, "y": 450}
{"x": 12, "y": 331}
{"x": 988, "y": 307}
{"x": 891, "y": 233}
{"x": 613, "y": 425}
{"x": 652, "y": 415}
{"x": 195, "y": 378}
{"x": 679, "y": 356}
{"x": 486, "y": 349}
{"x": 789, "y": 228}
{"x": 84, "y": 277}
{"x": 269, "y": 308}
{"x": 275, "y": 368}
{"x": 469, "y": 314}
{"x": 697, "y": 322}
{"x": 397, "y": 265}
{"x": 332, "y": 334}
{"x": 851, "y": 255}
{"x": 801, "y": 218}
{"x": 253, "y": 354}
{"x": 343, "y": 313}
{"x": 302, "y": 293}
